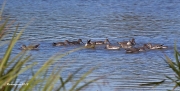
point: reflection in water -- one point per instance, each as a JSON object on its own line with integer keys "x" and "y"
{"x": 146, "y": 21}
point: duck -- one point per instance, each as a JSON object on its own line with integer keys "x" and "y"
{"x": 136, "y": 49}
{"x": 108, "y": 46}
{"x": 156, "y": 46}
{"x": 132, "y": 50}
{"x": 143, "y": 48}
{"x": 79, "y": 41}
{"x": 102, "y": 42}
{"x": 66, "y": 42}
{"x": 30, "y": 47}
{"x": 90, "y": 44}
{"x": 127, "y": 44}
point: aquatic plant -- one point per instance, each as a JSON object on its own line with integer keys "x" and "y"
{"x": 174, "y": 66}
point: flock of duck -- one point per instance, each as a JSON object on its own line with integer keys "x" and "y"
{"x": 129, "y": 46}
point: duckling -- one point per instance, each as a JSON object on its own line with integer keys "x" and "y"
{"x": 30, "y": 47}
{"x": 108, "y": 46}
{"x": 66, "y": 42}
{"x": 157, "y": 46}
{"x": 90, "y": 44}
{"x": 127, "y": 44}
{"x": 102, "y": 42}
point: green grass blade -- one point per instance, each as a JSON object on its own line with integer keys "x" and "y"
{"x": 2, "y": 28}
{"x": 14, "y": 69}
{"x": 81, "y": 79}
{"x": 45, "y": 67}
{"x": 8, "y": 52}
{"x": 38, "y": 73}
{"x": 175, "y": 87}
{"x": 5, "y": 26}
{"x": 86, "y": 84}
{"x": 177, "y": 57}
{"x": 44, "y": 77}
{"x": 16, "y": 87}
{"x": 17, "y": 63}
{"x": 15, "y": 58}
{"x": 2, "y": 8}
{"x": 62, "y": 85}
{"x": 172, "y": 66}
{"x": 68, "y": 79}
{"x": 13, "y": 74}
{"x": 177, "y": 83}
{"x": 52, "y": 80}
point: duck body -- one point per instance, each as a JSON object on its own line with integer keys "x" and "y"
{"x": 59, "y": 44}
{"x": 90, "y": 44}
{"x": 78, "y": 42}
{"x": 132, "y": 50}
{"x": 127, "y": 44}
{"x": 156, "y": 46}
{"x": 66, "y": 42}
{"x": 143, "y": 48}
{"x": 136, "y": 50}
{"x": 102, "y": 42}
{"x": 108, "y": 46}
{"x": 30, "y": 47}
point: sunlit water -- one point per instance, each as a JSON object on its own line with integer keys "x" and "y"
{"x": 118, "y": 20}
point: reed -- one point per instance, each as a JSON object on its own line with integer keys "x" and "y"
{"x": 174, "y": 66}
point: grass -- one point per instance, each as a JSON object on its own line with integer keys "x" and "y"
{"x": 12, "y": 67}
{"x": 174, "y": 66}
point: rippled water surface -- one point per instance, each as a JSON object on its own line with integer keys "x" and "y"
{"x": 118, "y": 20}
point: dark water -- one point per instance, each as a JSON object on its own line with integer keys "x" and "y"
{"x": 118, "y": 20}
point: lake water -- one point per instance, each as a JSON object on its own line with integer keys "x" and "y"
{"x": 154, "y": 21}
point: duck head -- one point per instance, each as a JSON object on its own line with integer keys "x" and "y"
{"x": 36, "y": 46}
{"x": 133, "y": 41}
{"x": 23, "y": 47}
{"x": 80, "y": 40}
{"x": 106, "y": 41}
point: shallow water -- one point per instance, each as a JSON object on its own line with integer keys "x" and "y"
{"x": 118, "y": 20}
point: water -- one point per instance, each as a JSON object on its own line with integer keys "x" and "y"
{"x": 118, "y": 20}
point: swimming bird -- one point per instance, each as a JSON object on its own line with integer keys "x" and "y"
{"x": 132, "y": 50}
{"x": 108, "y": 46}
{"x": 136, "y": 49}
{"x": 156, "y": 46}
{"x": 102, "y": 42}
{"x": 143, "y": 48}
{"x": 79, "y": 41}
{"x": 127, "y": 44}
{"x": 66, "y": 42}
{"x": 30, "y": 47}
{"x": 90, "y": 44}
